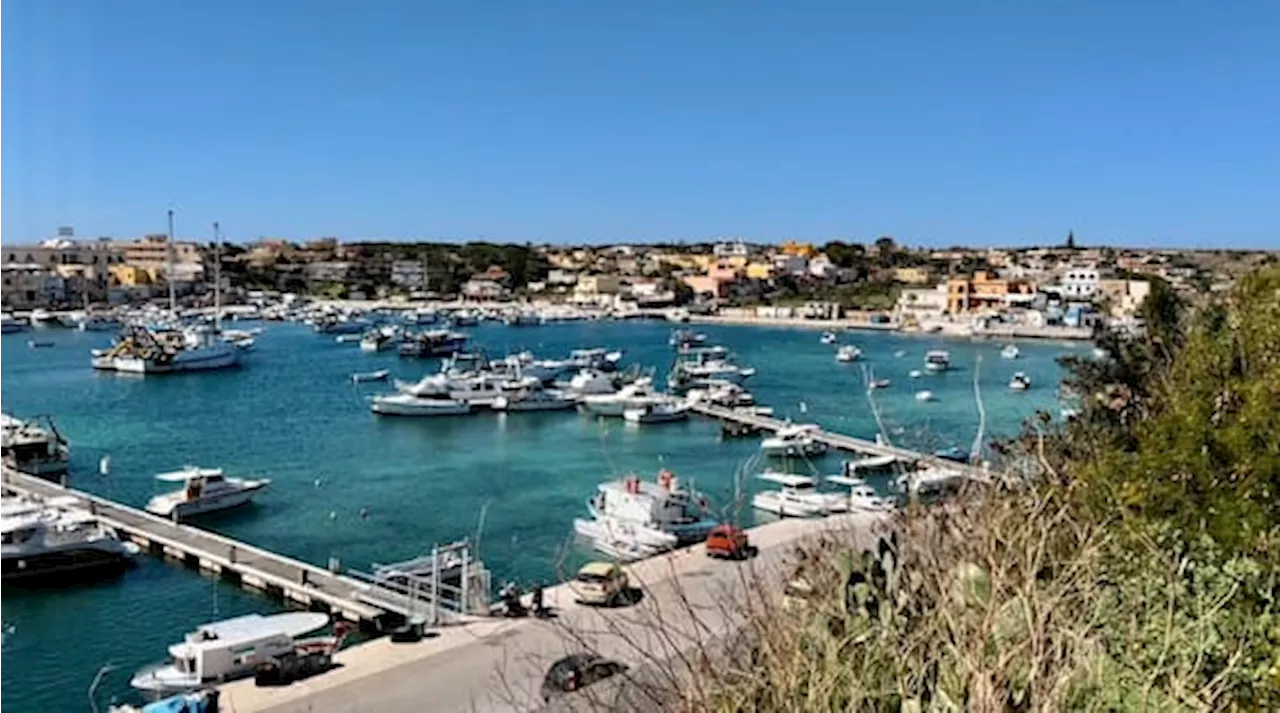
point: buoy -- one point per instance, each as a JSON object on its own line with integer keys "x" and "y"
{"x": 317, "y": 482}
{"x": 804, "y": 407}
{"x": 333, "y": 514}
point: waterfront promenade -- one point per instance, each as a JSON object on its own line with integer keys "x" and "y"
{"x": 689, "y": 601}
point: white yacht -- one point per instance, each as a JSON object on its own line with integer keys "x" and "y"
{"x": 662, "y": 511}
{"x": 528, "y": 395}
{"x": 937, "y": 360}
{"x": 1010, "y": 351}
{"x": 797, "y": 496}
{"x": 42, "y": 539}
{"x": 638, "y": 394}
{"x": 848, "y": 353}
{"x": 1019, "y": 381}
{"x": 375, "y": 340}
{"x": 706, "y": 367}
{"x": 924, "y": 395}
{"x": 729, "y": 394}
{"x": 591, "y": 382}
{"x": 408, "y": 404}
{"x": 225, "y": 650}
{"x": 162, "y": 351}
{"x": 93, "y": 322}
{"x": 10, "y": 324}
{"x": 928, "y": 481}
{"x": 795, "y": 441}
{"x": 861, "y": 496}
{"x": 30, "y": 448}
{"x": 204, "y": 490}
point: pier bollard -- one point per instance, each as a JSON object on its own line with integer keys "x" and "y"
{"x": 302, "y": 576}
{"x": 231, "y": 555}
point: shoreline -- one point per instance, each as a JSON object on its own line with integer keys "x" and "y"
{"x": 958, "y": 331}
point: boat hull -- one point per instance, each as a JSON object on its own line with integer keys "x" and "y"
{"x": 215, "y": 359}
{"x": 51, "y": 565}
{"x": 206, "y": 505}
{"x": 503, "y": 404}
{"x": 402, "y": 408}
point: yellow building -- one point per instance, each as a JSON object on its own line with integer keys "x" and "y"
{"x": 912, "y": 275}
{"x": 759, "y": 270}
{"x": 130, "y": 275}
{"x": 985, "y": 292}
{"x": 792, "y": 247}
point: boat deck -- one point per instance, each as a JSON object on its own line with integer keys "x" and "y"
{"x": 841, "y": 441}
{"x": 306, "y": 584}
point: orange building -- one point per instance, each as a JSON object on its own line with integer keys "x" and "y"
{"x": 792, "y": 247}
{"x": 983, "y": 291}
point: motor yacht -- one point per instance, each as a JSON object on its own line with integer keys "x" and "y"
{"x": 797, "y": 496}
{"x": 664, "y": 507}
{"x": 937, "y": 360}
{"x": 862, "y": 497}
{"x": 794, "y": 441}
{"x": 848, "y": 353}
{"x": 528, "y": 395}
{"x": 204, "y": 490}
{"x": 41, "y": 539}
{"x": 638, "y": 394}
{"x": 233, "y": 648}
{"x": 591, "y": 382}
{"x": 706, "y": 367}
{"x": 376, "y": 340}
{"x": 408, "y": 404}
{"x": 1019, "y": 382}
{"x": 432, "y": 343}
{"x": 930, "y": 481}
{"x": 32, "y": 448}
{"x": 657, "y": 413}
{"x": 721, "y": 392}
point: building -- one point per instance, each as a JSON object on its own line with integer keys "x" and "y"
{"x": 593, "y": 285}
{"x": 1124, "y": 296}
{"x": 1080, "y": 283}
{"x": 759, "y": 270}
{"x": 83, "y": 266}
{"x": 560, "y": 276}
{"x": 327, "y": 271}
{"x": 480, "y": 289}
{"x": 29, "y": 285}
{"x": 409, "y": 274}
{"x": 798, "y": 249}
{"x": 736, "y": 248}
{"x": 984, "y": 292}
{"x": 151, "y": 253}
{"x": 129, "y": 276}
{"x": 707, "y": 286}
{"x": 791, "y": 264}
{"x": 912, "y": 275}
{"x": 917, "y": 305}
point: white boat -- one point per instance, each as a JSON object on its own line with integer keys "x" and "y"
{"x": 348, "y": 338}
{"x": 869, "y": 464}
{"x": 204, "y": 490}
{"x": 915, "y": 374}
{"x": 878, "y": 384}
{"x": 44, "y": 318}
{"x": 623, "y": 539}
{"x": 848, "y": 353}
{"x": 41, "y": 539}
{"x": 924, "y": 395}
{"x": 10, "y": 324}
{"x": 528, "y": 395}
{"x": 657, "y": 413}
{"x": 937, "y": 360}
{"x": 638, "y": 394}
{"x": 375, "y": 340}
{"x": 861, "y": 496}
{"x": 1019, "y": 382}
{"x": 663, "y": 507}
{"x": 379, "y": 375}
{"x": 1010, "y": 351}
{"x": 930, "y": 481}
{"x": 201, "y": 701}
{"x": 97, "y": 323}
{"x": 162, "y": 351}
{"x": 402, "y": 404}
{"x": 705, "y": 368}
{"x": 728, "y": 394}
{"x": 31, "y": 448}
{"x": 797, "y": 496}
{"x": 592, "y": 382}
{"x": 828, "y": 338}
{"x": 227, "y": 650}
{"x": 794, "y": 441}
{"x": 900, "y": 353}
{"x": 1099, "y": 353}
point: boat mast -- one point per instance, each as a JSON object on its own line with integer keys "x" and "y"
{"x": 217, "y": 279}
{"x": 168, "y": 254}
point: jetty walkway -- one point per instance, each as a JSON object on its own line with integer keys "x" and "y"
{"x": 842, "y": 442}
{"x": 313, "y": 587}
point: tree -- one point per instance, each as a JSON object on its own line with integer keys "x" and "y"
{"x": 886, "y": 246}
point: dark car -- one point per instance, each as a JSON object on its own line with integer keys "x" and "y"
{"x": 577, "y": 671}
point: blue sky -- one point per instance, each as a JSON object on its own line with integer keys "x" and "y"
{"x": 983, "y": 122}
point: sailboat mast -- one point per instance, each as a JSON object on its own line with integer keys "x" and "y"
{"x": 217, "y": 279}
{"x": 168, "y": 254}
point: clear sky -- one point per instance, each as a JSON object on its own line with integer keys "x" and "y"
{"x": 1137, "y": 122}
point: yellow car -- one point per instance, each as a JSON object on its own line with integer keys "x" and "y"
{"x": 601, "y": 583}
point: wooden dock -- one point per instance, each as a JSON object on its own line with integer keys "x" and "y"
{"x": 253, "y": 567}
{"x": 840, "y": 441}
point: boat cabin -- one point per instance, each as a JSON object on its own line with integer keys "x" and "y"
{"x": 664, "y": 502}
{"x": 226, "y": 648}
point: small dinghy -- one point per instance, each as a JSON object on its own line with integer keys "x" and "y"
{"x": 35, "y": 344}
{"x": 925, "y": 395}
{"x": 878, "y": 384}
{"x": 379, "y": 375}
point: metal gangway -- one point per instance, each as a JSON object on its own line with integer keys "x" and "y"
{"x": 444, "y": 586}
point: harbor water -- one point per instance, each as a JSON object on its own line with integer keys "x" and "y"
{"x": 364, "y": 489}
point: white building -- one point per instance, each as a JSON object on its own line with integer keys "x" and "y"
{"x": 1080, "y": 283}
{"x": 791, "y": 264}
{"x": 822, "y": 268}
{"x": 409, "y": 273}
{"x": 921, "y": 304}
{"x": 731, "y": 249}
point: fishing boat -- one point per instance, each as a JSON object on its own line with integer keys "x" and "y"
{"x": 405, "y": 404}
{"x": 363, "y": 376}
{"x": 34, "y": 447}
{"x": 937, "y": 360}
{"x": 141, "y": 350}
{"x": 848, "y": 353}
{"x": 828, "y": 338}
{"x": 794, "y": 441}
{"x": 340, "y": 326}
{"x": 1019, "y": 382}
{"x": 796, "y": 496}
{"x": 432, "y": 343}
{"x": 204, "y": 490}
{"x": 664, "y": 507}
{"x": 657, "y": 413}
{"x": 522, "y": 319}
{"x": 862, "y": 497}
{"x": 1010, "y": 351}
{"x": 43, "y": 540}
{"x": 234, "y": 648}
{"x": 375, "y": 340}
{"x": 685, "y": 338}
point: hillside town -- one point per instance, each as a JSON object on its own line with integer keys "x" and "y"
{"x": 1062, "y": 290}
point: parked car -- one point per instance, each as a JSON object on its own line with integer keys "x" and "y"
{"x": 577, "y": 671}
{"x": 600, "y": 583}
{"x": 728, "y": 541}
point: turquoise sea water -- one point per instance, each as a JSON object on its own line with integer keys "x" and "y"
{"x": 291, "y": 414}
